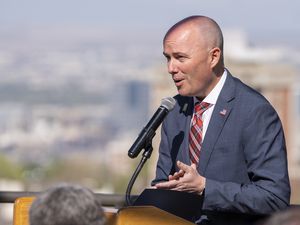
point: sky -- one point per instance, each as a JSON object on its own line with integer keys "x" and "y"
{"x": 262, "y": 20}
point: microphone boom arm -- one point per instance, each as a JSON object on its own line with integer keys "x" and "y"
{"x": 146, "y": 155}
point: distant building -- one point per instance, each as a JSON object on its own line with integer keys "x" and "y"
{"x": 131, "y": 104}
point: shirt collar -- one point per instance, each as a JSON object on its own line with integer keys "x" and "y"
{"x": 214, "y": 94}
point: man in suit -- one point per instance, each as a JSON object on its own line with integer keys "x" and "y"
{"x": 239, "y": 164}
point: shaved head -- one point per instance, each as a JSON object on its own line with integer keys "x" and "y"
{"x": 193, "y": 48}
{"x": 206, "y": 28}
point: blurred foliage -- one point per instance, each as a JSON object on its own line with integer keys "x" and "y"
{"x": 9, "y": 169}
{"x": 37, "y": 176}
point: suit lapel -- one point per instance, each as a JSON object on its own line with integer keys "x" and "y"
{"x": 220, "y": 114}
{"x": 184, "y": 152}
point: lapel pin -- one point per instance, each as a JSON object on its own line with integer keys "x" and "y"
{"x": 184, "y": 108}
{"x": 223, "y": 112}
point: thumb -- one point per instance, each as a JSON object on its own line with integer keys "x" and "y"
{"x": 194, "y": 166}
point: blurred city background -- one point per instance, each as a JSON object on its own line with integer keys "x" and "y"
{"x": 79, "y": 79}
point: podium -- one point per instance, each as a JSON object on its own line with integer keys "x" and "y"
{"x": 188, "y": 207}
{"x": 148, "y": 215}
{"x": 181, "y": 204}
{"x": 161, "y": 207}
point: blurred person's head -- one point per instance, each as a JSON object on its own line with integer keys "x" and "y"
{"x": 67, "y": 205}
{"x": 194, "y": 51}
{"x": 290, "y": 216}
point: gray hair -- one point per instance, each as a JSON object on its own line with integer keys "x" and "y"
{"x": 67, "y": 204}
{"x": 289, "y": 216}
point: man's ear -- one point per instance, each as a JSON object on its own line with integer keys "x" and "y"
{"x": 215, "y": 55}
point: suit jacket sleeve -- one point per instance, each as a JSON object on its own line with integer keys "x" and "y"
{"x": 264, "y": 150}
{"x": 165, "y": 164}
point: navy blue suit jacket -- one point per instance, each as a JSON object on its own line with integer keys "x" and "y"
{"x": 243, "y": 155}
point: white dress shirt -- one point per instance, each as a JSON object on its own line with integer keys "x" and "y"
{"x": 211, "y": 98}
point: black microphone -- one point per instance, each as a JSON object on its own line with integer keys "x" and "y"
{"x": 148, "y": 132}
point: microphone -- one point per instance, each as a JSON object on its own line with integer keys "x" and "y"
{"x": 148, "y": 132}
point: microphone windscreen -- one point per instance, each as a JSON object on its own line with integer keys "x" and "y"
{"x": 168, "y": 103}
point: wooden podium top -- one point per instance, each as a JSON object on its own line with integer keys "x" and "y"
{"x": 148, "y": 215}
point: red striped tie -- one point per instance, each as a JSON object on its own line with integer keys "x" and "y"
{"x": 195, "y": 136}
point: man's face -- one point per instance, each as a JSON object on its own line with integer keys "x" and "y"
{"x": 189, "y": 62}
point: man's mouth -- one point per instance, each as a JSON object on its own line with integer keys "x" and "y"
{"x": 178, "y": 82}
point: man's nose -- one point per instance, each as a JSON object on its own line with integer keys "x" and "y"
{"x": 172, "y": 67}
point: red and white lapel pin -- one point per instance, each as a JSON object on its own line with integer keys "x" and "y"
{"x": 223, "y": 112}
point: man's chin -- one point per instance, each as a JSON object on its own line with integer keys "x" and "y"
{"x": 184, "y": 93}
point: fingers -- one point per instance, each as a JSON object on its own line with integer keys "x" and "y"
{"x": 194, "y": 166}
{"x": 174, "y": 182}
{"x": 167, "y": 185}
{"x": 185, "y": 168}
{"x": 151, "y": 187}
{"x": 174, "y": 185}
{"x": 186, "y": 179}
{"x": 176, "y": 175}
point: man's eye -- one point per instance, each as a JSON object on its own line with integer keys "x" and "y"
{"x": 167, "y": 57}
{"x": 180, "y": 58}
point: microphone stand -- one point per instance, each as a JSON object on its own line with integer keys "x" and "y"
{"x": 146, "y": 155}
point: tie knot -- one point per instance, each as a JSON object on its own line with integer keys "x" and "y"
{"x": 200, "y": 107}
